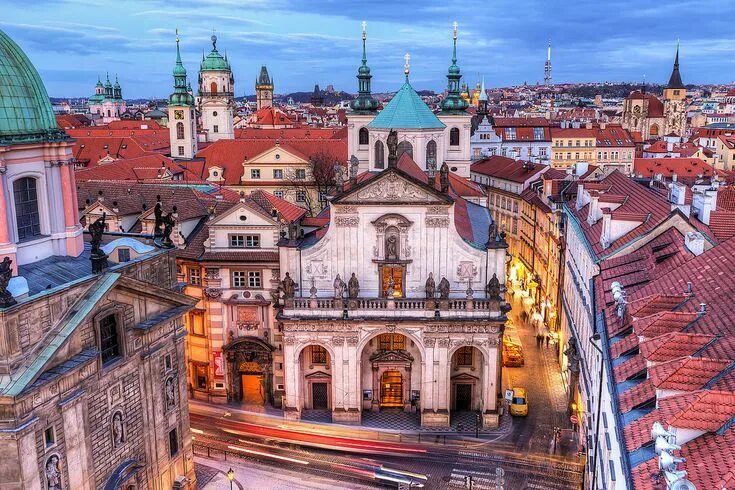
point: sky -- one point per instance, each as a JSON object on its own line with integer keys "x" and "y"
{"x": 304, "y": 42}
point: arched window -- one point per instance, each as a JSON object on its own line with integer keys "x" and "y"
{"x": 454, "y": 137}
{"x": 379, "y": 155}
{"x": 431, "y": 154}
{"x": 364, "y": 136}
{"x": 404, "y": 147}
{"x": 213, "y": 88}
{"x": 109, "y": 339}
{"x": 26, "y": 208}
{"x": 108, "y": 112}
{"x": 654, "y": 130}
{"x": 180, "y": 130}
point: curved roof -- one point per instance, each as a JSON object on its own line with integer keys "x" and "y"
{"x": 406, "y": 110}
{"x": 26, "y": 115}
{"x": 214, "y": 61}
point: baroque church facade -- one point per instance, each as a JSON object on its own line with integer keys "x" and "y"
{"x": 653, "y": 118}
{"x": 107, "y": 101}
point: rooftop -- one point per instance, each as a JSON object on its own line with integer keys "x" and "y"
{"x": 406, "y": 110}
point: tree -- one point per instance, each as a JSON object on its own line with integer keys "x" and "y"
{"x": 315, "y": 183}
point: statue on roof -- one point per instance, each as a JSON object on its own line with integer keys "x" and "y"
{"x": 444, "y": 177}
{"x": 493, "y": 288}
{"x": 6, "y": 273}
{"x": 339, "y": 177}
{"x": 392, "y": 144}
{"x": 96, "y": 229}
{"x": 339, "y": 287}
{"x": 354, "y": 166}
{"x": 430, "y": 286}
{"x": 158, "y": 214}
{"x": 168, "y": 225}
{"x": 289, "y": 286}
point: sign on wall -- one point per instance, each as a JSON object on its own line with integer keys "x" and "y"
{"x": 219, "y": 367}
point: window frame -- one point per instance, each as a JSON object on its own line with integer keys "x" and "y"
{"x": 194, "y": 276}
{"x": 255, "y": 173}
{"x": 318, "y": 354}
{"x": 301, "y": 196}
{"x": 465, "y": 356}
{"x": 255, "y": 279}
{"x": 35, "y": 227}
{"x": 119, "y": 343}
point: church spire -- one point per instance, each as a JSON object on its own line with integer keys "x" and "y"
{"x": 453, "y": 102}
{"x": 675, "y": 79}
{"x": 180, "y": 96}
{"x": 364, "y": 101}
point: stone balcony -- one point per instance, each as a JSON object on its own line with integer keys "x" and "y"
{"x": 396, "y": 308}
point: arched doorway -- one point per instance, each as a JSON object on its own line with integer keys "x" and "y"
{"x": 249, "y": 371}
{"x": 390, "y": 367}
{"x": 315, "y": 366}
{"x": 467, "y": 379}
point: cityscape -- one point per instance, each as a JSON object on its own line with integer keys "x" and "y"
{"x": 364, "y": 265}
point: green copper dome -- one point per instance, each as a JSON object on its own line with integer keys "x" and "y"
{"x": 26, "y": 115}
{"x": 364, "y": 103}
{"x": 453, "y": 103}
{"x": 181, "y": 95}
{"x": 214, "y": 61}
{"x": 406, "y": 110}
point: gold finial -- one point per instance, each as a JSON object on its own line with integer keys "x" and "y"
{"x": 364, "y": 30}
{"x": 406, "y": 65}
{"x": 455, "y": 25}
{"x": 177, "y": 34}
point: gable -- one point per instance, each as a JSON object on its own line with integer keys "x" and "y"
{"x": 277, "y": 155}
{"x": 393, "y": 186}
{"x": 232, "y": 217}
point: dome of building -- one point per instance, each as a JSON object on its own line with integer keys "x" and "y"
{"x": 214, "y": 61}
{"x": 26, "y": 115}
{"x": 406, "y": 110}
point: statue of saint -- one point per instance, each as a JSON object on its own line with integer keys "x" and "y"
{"x": 353, "y": 286}
{"x": 493, "y": 288}
{"x": 289, "y": 286}
{"x": 53, "y": 474}
{"x": 339, "y": 287}
{"x": 444, "y": 288}
{"x": 158, "y": 214}
{"x": 430, "y": 286}
{"x": 170, "y": 396}
{"x": 391, "y": 247}
{"x": 6, "y": 273}
{"x": 354, "y": 166}
{"x": 118, "y": 436}
{"x": 391, "y": 289}
{"x": 96, "y": 230}
{"x": 444, "y": 177}
{"x": 168, "y": 226}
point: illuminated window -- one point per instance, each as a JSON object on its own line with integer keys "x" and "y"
{"x": 391, "y": 341}
{"x": 464, "y": 356}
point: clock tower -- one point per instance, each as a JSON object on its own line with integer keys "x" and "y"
{"x": 181, "y": 114}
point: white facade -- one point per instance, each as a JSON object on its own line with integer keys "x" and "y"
{"x": 394, "y": 227}
{"x": 216, "y": 104}
{"x": 182, "y": 131}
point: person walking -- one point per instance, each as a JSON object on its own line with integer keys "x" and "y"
{"x": 547, "y": 340}
{"x": 539, "y": 340}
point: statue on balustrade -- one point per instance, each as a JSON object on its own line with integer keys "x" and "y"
{"x": 430, "y": 286}
{"x": 353, "y": 287}
{"x": 493, "y": 288}
{"x": 288, "y": 286}
{"x": 339, "y": 287}
{"x": 444, "y": 288}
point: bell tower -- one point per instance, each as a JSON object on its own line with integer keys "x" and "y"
{"x": 264, "y": 89}
{"x": 217, "y": 95}
{"x": 181, "y": 115}
{"x": 675, "y": 101}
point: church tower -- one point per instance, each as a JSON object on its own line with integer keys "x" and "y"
{"x": 364, "y": 108}
{"x": 675, "y": 116}
{"x": 181, "y": 115}
{"x": 264, "y": 89}
{"x": 216, "y": 95}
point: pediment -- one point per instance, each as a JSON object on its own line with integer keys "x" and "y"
{"x": 465, "y": 377}
{"x": 318, "y": 375}
{"x": 277, "y": 154}
{"x": 393, "y": 186}
{"x": 391, "y": 356}
{"x": 232, "y": 217}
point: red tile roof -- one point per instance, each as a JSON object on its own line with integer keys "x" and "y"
{"x": 520, "y": 122}
{"x": 505, "y": 168}
{"x": 148, "y": 167}
{"x": 655, "y": 106}
{"x": 573, "y": 133}
{"x": 673, "y": 345}
{"x": 270, "y": 116}
{"x": 613, "y": 136}
{"x": 637, "y": 395}
{"x": 668, "y": 166}
{"x": 685, "y": 374}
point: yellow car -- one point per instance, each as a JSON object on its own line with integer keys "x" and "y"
{"x": 519, "y": 403}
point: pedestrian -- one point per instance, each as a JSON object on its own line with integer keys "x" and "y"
{"x": 539, "y": 340}
{"x": 547, "y": 340}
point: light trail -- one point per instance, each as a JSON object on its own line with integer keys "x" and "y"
{"x": 267, "y": 455}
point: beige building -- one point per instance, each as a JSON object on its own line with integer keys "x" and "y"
{"x": 572, "y": 145}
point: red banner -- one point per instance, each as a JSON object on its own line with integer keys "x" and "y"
{"x": 219, "y": 366}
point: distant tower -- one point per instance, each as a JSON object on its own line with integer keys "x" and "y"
{"x": 216, "y": 95}
{"x": 547, "y": 66}
{"x": 674, "y": 101}
{"x": 264, "y": 89}
{"x": 482, "y": 101}
{"x": 181, "y": 116}
{"x": 317, "y": 100}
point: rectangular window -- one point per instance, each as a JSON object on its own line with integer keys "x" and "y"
{"x": 538, "y": 134}
{"x": 173, "y": 443}
{"x": 197, "y": 324}
{"x": 277, "y": 173}
{"x": 195, "y": 277}
{"x": 510, "y": 133}
{"x": 252, "y": 241}
{"x": 254, "y": 279}
{"x": 278, "y": 194}
{"x": 391, "y": 341}
{"x": 49, "y": 437}
{"x": 237, "y": 241}
{"x": 216, "y": 129}
{"x": 201, "y": 377}
{"x": 300, "y": 173}
{"x": 167, "y": 361}
{"x": 123, "y": 255}
{"x": 181, "y": 151}
{"x": 318, "y": 354}
{"x": 26, "y": 208}
{"x": 255, "y": 173}
{"x": 239, "y": 279}
{"x": 300, "y": 196}
{"x": 109, "y": 342}
{"x": 464, "y": 356}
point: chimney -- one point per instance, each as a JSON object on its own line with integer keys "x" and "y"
{"x": 583, "y": 197}
{"x": 704, "y": 203}
{"x": 594, "y": 212}
{"x": 694, "y": 241}
{"x": 606, "y": 232}
{"x": 588, "y": 125}
{"x": 603, "y": 125}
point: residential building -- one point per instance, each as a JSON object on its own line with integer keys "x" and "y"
{"x": 519, "y": 138}
{"x": 615, "y": 148}
{"x": 572, "y": 145}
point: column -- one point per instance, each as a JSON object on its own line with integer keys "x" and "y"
{"x": 347, "y": 411}
{"x": 490, "y": 415}
{"x": 438, "y": 415}
{"x": 75, "y": 433}
{"x": 292, "y": 410}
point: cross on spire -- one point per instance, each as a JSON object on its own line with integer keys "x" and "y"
{"x": 454, "y": 36}
{"x": 406, "y": 65}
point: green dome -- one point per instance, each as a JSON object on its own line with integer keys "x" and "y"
{"x": 406, "y": 110}
{"x": 26, "y": 115}
{"x": 214, "y": 61}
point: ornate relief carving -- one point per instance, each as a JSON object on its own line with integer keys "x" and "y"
{"x": 437, "y": 221}
{"x": 347, "y": 221}
{"x": 443, "y": 342}
{"x": 352, "y": 341}
{"x": 338, "y": 341}
{"x": 213, "y": 293}
{"x": 461, "y": 328}
{"x": 429, "y": 341}
{"x": 392, "y": 188}
{"x": 316, "y": 268}
{"x": 345, "y": 209}
{"x": 466, "y": 270}
{"x": 290, "y": 340}
{"x": 441, "y": 210}
{"x": 212, "y": 273}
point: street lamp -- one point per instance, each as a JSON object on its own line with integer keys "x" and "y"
{"x": 230, "y": 476}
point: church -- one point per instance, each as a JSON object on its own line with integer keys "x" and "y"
{"x": 398, "y": 302}
{"x": 107, "y": 101}
{"x": 652, "y": 118}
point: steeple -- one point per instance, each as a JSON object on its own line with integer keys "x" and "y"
{"x": 675, "y": 79}
{"x": 180, "y": 96}
{"x": 482, "y": 108}
{"x": 364, "y": 101}
{"x": 453, "y": 103}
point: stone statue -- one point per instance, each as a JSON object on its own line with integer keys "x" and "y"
{"x": 444, "y": 177}
{"x": 6, "y": 273}
{"x": 493, "y": 288}
{"x": 288, "y": 286}
{"x": 444, "y": 288}
{"x": 430, "y": 286}
{"x": 158, "y": 214}
{"x": 168, "y": 225}
{"x": 391, "y": 247}
{"x": 53, "y": 474}
{"x": 353, "y": 287}
{"x": 391, "y": 289}
{"x": 339, "y": 177}
{"x": 392, "y": 144}
{"x": 339, "y": 287}
{"x": 354, "y": 166}
{"x": 96, "y": 229}
{"x": 572, "y": 354}
{"x": 491, "y": 232}
{"x": 118, "y": 436}
{"x": 170, "y": 396}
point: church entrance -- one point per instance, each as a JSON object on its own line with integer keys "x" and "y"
{"x": 463, "y": 396}
{"x": 249, "y": 371}
{"x": 320, "y": 396}
{"x": 391, "y": 389}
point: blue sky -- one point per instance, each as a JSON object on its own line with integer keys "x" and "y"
{"x": 304, "y": 42}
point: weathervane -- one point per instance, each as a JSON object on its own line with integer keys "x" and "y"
{"x": 455, "y": 25}
{"x": 364, "y": 30}
{"x": 406, "y": 65}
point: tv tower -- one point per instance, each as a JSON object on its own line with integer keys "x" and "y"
{"x": 547, "y": 66}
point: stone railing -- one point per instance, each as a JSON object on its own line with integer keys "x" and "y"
{"x": 393, "y": 307}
